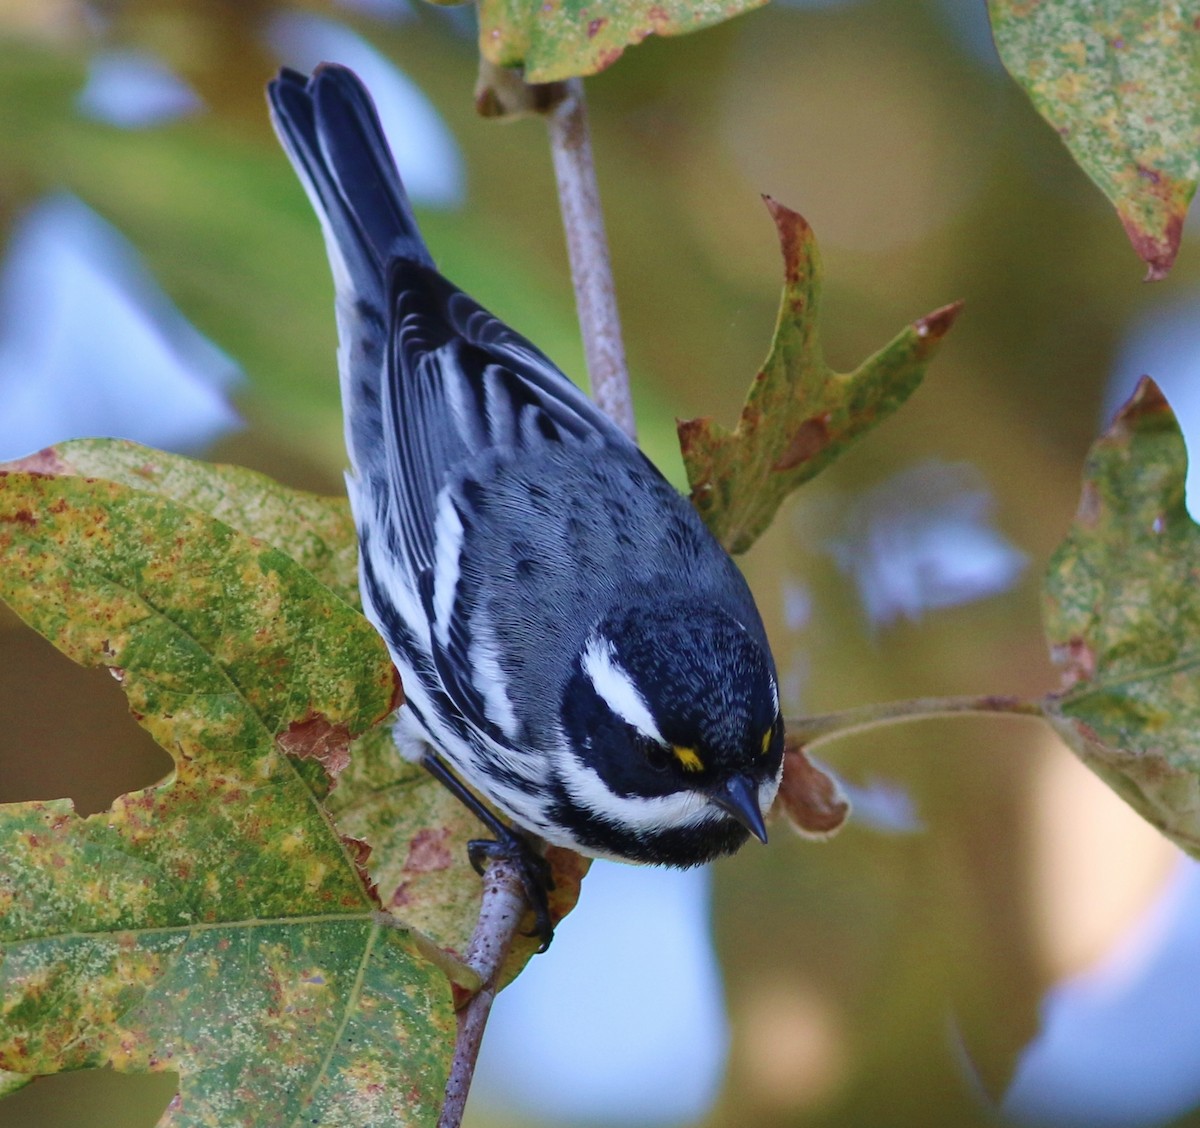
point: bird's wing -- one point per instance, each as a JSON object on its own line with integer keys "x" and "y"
{"x": 460, "y": 384}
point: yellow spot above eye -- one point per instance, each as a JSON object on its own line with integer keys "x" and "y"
{"x": 766, "y": 742}
{"x": 688, "y": 758}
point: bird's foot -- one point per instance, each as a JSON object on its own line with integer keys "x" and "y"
{"x": 533, "y": 870}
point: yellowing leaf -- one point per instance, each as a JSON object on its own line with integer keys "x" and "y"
{"x": 556, "y": 39}
{"x": 316, "y": 532}
{"x": 1120, "y": 83}
{"x": 1122, "y": 610}
{"x": 216, "y": 924}
{"x": 799, "y": 414}
{"x": 417, "y": 831}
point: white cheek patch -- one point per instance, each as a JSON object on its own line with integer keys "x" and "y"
{"x": 616, "y": 689}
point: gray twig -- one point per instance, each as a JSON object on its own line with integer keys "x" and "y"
{"x": 595, "y": 297}
{"x": 500, "y": 913}
{"x": 587, "y": 248}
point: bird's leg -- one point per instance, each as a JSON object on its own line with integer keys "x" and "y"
{"x": 508, "y": 844}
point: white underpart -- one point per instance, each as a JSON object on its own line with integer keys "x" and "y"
{"x": 616, "y": 689}
{"x": 447, "y": 548}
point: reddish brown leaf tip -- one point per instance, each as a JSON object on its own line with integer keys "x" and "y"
{"x": 934, "y": 326}
{"x": 1147, "y": 399}
{"x": 43, "y": 462}
{"x": 794, "y": 231}
{"x": 1156, "y": 249}
{"x": 315, "y": 738}
{"x": 689, "y": 428}
{"x": 809, "y": 797}
{"x": 694, "y": 435}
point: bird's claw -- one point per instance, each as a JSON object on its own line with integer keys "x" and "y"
{"x": 533, "y": 870}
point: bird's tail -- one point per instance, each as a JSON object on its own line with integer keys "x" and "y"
{"x": 331, "y": 132}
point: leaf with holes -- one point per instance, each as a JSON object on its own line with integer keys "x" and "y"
{"x": 417, "y": 830}
{"x": 799, "y": 414}
{"x": 557, "y": 39}
{"x": 217, "y": 924}
{"x": 1122, "y": 610}
{"x": 1120, "y": 83}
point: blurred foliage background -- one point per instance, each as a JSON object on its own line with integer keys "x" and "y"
{"x": 879, "y": 979}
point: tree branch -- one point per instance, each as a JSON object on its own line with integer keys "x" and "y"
{"x": 498, "y": 94}
{"x": 811, "y": 731}
{"x": 587, "y": 248}
{"x": 500, "y": 913}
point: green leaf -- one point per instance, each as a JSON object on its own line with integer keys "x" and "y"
{"x": 11, "y": 1082}
{"x": 414, "y": 825}
{"x": 557, "y": 39}
{"x": 1120, "y": 83}
{"x": 1122, "y": 611}
{"x": 418, "y": 832}
{"x": 216, "y": 924}
{"x": 316, "y": 532}
{"x": 799, "y": 414}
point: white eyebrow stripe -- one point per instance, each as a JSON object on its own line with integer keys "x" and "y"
{"x": 616, "y": 689}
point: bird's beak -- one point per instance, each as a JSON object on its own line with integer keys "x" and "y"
{"x": 738, "y": 796}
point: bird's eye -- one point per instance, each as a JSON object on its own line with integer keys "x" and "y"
{"x": 658, "y": 757}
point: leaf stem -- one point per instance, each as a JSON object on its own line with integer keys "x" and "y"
{"x": 811, "y": 731}
{"x": 500, "y": 914}
{"x": 587, "y": 249}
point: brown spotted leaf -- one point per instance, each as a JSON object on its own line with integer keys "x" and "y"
{"x": 556, "y": 39}
{"x": 1122, "y": 611}
{"x": 317, "y": 532}
{"x": 216, "y": 924}
{"x": 380, "y": 799}
{"x": 799, "y": 414}
{"x": 1120, "y": 83}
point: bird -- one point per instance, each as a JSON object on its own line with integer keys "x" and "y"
{"x": 578, "y": 652}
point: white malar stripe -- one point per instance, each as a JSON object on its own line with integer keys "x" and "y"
{"x": 447, "y": 547}
{"x": 616, "y": 689}
{"x": 658, "y": 812}
{"x": 767, "y": 791}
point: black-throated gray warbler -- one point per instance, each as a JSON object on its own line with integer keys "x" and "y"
{"x": 573, "y": 642}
